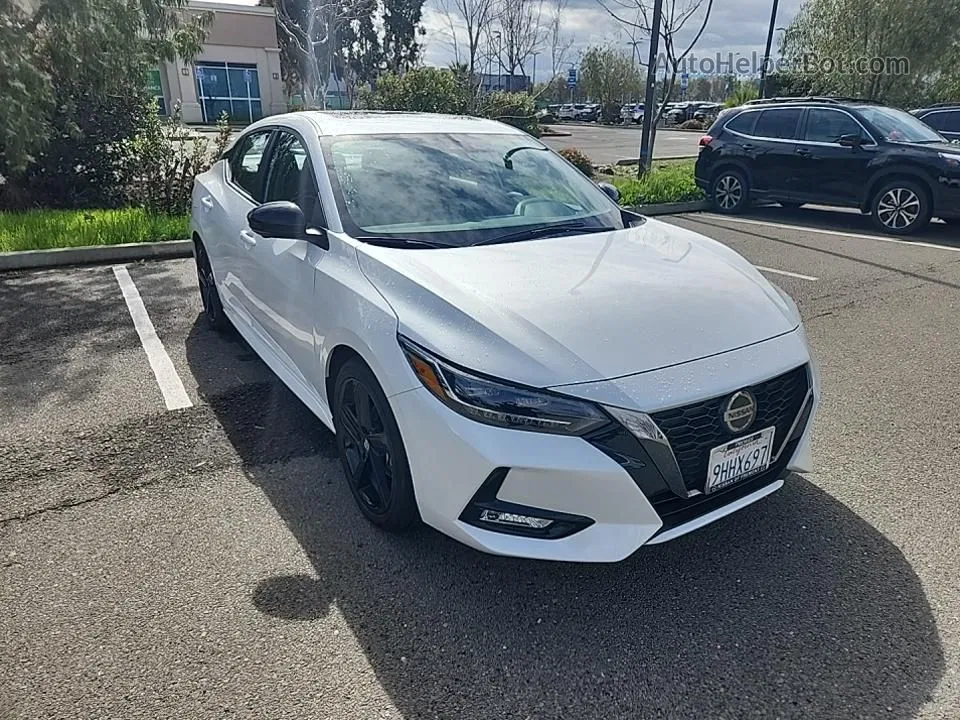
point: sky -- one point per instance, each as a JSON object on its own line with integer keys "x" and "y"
{"x": 734, "y": 26}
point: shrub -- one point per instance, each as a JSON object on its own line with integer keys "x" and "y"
{"x": 578, "y": 160}
{"x": 164, "y": 159}
{"x": 692, "y": 125}
{"x": 667, "y": 182}
{"x": 611, "y": 113}
{"x": 513, "y": 108}
{"x": 421, "y": 90}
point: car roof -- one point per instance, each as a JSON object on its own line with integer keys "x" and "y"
{"x": 368, "y": 122}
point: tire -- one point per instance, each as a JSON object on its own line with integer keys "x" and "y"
{"x": 209, "y": 295}
{"x": 901, "y": 207}
{"x": 371, "y": 450}
{"x": 790, "y": 205}
{"x": 729, "y": 192}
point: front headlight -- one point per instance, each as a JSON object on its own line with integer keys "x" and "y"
{"x": 495, "y": 402}
{"x": 952, "y": 159}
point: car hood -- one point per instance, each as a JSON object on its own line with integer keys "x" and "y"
{"x": 579, "y": 309}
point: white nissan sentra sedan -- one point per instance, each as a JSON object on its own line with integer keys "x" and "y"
{"x": 502, "y": 351}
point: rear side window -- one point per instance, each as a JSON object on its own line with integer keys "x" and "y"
{"x": 246, "y": 161}
{"x": 779, "y": 123}
{"x": 828, "y": 126}
{"x": 743, "y": 123}
{"x": 944, "y": 120}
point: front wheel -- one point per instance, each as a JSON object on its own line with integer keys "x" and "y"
{"x": 371, "y": 449}
{"x": 729, "y": 192}
{"x": 901, "y": 207}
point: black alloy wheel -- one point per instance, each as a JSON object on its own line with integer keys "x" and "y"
{"x": 371, "y": 449}
{"x": 209, "y": 296}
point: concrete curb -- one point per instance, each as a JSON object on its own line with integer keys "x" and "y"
{"x": 634, "y": 161}
{"x": 672, "y": 208}
{"x": 95, "y": 255}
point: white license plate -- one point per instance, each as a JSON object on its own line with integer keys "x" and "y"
{"x": 739, "y": 459}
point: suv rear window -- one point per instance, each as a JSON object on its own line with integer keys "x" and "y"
{"x": 743, "y": 123}
{"x": 778, "y": 123}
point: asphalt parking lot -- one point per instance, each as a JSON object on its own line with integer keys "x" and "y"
{"x": 605, "y": 145}
{"x": 207, "y": 561}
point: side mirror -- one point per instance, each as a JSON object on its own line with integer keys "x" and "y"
{"x": 610, "y": 190}
{"x": 280, "y": 219}
{"x": 853, "y": 141}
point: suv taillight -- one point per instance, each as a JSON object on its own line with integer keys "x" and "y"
{"x": 705, "y": 141}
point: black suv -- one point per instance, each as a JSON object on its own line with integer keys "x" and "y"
{"x": 944, "y": 118}
{"x": 831, "y": 151}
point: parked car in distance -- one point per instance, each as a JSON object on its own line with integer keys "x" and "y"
{"x": 707, "y": 112}
{"x": 589, "y": 112}
{"x": 832, "y": 151}
{"x": 566, "y": 112}
{"x": 501, "y": 350}
{"x": 548, "y": 114}
{"x": 944, "y": 118}
{"x": 632, "y": 113}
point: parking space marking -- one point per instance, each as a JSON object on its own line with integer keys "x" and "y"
{"x": 823, "y": 231}
{"x": 171, "y": 386}
{"x": 799, "y": 276}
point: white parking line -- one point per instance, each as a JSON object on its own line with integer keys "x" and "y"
{"x": 811, "y": 278}
{"x": 171, "y": 386}
{"x": 822, "y": 231}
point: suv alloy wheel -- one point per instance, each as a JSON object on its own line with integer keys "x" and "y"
{"x": 730, "y": 192}
{"x": 901, "y": 207}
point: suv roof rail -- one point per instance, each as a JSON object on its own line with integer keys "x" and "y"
{"x": 808, "y": 99}
{"x": 943, "y": 105}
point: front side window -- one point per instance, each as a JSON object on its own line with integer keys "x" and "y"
{"x": 457, "y": 189}
{"x": 291, "y": 177}
{"x": 898, "y": 126}
{"x": 780, "y": 123}
{"x": 828, "y": 126}
{"x": 245, "y": 163}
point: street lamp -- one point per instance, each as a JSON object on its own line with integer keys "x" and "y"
{"x": 499, "y": 39}
{"x": 766, "y": 54}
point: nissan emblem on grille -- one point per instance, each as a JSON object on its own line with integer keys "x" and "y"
{"x": 741, "y": 411}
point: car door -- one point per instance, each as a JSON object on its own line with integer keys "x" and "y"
{"x": 946, "y": 122}
{"x": 241, "y": 190}
{"x": 286, "y": 270}
{"x": 775, "y": 165}
{"x": 828, "y": 171}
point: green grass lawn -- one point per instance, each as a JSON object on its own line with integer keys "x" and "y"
{"x": 668, "y": 181}
{"x": 43, "y": 229}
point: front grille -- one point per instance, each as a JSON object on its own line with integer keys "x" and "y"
{"x": 696, "y": 429}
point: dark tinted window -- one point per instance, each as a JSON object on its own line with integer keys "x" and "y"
{"x": 246, "y": 160}
{"x": 779, "y": 123}
{"x": 743, "y": 123}
{"x": 944, "y": 120}
{"x": 829, "y": 126}
{"x": 291, "y": 177}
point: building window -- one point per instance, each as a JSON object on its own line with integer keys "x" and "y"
{"x": 155, "y": 90}
{"x": 233, "y": 88}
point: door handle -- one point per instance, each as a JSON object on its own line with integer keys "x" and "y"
{"x": 248, "y": 238}
{"x": 747, "y": 146}
{"x": 803, "y": 152}
{"x": 207, "y": 202}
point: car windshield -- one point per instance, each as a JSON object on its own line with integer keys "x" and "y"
{"x": 459, "y": 189}
{"x": 898, "y": 126}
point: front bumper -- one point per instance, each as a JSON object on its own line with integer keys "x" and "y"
{"x": 617, "y": 488}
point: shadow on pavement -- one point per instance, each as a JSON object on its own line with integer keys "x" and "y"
{"x": 795, "y": 607}
{"x": 840, "y": 220}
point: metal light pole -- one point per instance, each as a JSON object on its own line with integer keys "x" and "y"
{"x": 766, "y": 54}
{"x": 499, "y": 38}
{"x": 645, "y": 150}
{"x": 533, "y": 80}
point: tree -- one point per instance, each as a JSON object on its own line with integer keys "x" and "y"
{"x": 560, "y": 43}
{"x": 72, "y": 90}
{"x": 401, "y": 28}
{"x": 888, "y": 51}
{"x": 608, "y": 75}
{"x": 474, "y": 17}
{"x": 676, "y": 15}
{"x": 521, "y": 33}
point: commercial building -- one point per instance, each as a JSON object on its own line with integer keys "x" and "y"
{"x": 238, "y": 70}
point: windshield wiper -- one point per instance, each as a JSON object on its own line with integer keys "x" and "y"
{"x": 399, "y": 242}
{"x": 544, "y": 231}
